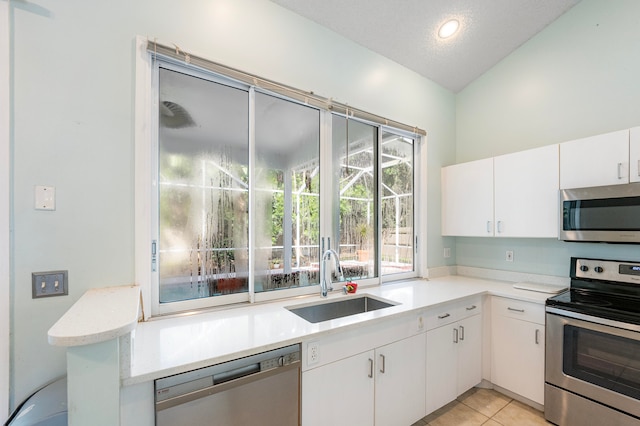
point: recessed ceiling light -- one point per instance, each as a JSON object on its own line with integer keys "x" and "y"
{"x": 448, "y": 29}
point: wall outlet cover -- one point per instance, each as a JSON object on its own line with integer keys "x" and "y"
{"x": 45, "y": 197}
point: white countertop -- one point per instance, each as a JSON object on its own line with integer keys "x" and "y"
{"x": 101, "y": 314}
{"x": 174, "y": 345}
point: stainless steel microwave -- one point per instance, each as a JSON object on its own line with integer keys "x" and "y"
{"x": 606, "y": 214}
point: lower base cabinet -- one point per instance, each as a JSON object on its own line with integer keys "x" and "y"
{"x": 340, "y": 393}
{"x": 454, "y": 353}
{"x": 517, "y": 347}
{"x": 383, "y": 386}
{"x": 400, "y": 382}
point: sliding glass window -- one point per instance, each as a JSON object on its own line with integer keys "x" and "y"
{"x": 203, "y": 213}
{"x": 237, "y": 206}
{"x": 397, "y": 213}
{"x": 354, "y": 152}
{"x": 287, "y": 206}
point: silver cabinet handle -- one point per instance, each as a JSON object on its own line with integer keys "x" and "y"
{"x": 488, "y": 227}
{"x": 444, "y": 316}
{"x": 499, "y": 226}
{"x": 471, "y": 308}
{"x": 370, "y": 375}
{"x": 515, "y": 310}
{"x": 537, "y": 336}
{"x": 382, "y": 363}
{"x": 620, "y": 171}
{"x": 455, "y": 335}
{"x": 461, "y": 333}
{"x": 638, "y": 167}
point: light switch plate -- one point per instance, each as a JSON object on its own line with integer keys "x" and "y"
{"x": 45, "y": 197}
{"x": 50, "y": 283}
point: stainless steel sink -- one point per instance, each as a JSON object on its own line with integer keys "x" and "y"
{"x": 324, "y": 311}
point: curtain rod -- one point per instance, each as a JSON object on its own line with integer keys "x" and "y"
{"x": 309, "y": 98}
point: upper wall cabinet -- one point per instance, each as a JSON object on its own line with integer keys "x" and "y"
{"x": 526, "y": 193}
{"x": 513, "y": 195}
{"x": 634, "y": 155}
{"x": 467, "y": 199}
{"x": 597, "y": 160}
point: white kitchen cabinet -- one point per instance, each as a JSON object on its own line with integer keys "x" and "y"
{"x": 526, "y": 193}
{"x": 595, "y": 161}
{"x": 400, "y": 382}
{"x": 339, "y": 393}
{"x": 380, "y": 385}
{"x": 634, "y": 155}
{"x": 517, "y": 347}
{"x": 454, "y": 348}
{"x": 512, "y": 195}
{"x": 467, "y": 199}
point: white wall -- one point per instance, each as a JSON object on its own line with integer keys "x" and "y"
{"x": 5, "y": 154}
{"x": 578, "y": 77}
{"x": 74, "y": 95}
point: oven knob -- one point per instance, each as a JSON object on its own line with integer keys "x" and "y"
{"x": 584, "y": 268}
{"x": 598, "y": 269}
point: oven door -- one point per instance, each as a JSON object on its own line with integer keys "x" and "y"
{"x": 597, "y": 361}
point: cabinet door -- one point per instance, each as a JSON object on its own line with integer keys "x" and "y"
{"x": 340, "y": 393}
{"x": 467, "y": 199}
{"x": 595, "y": 161}
{"x": 400, "y": 382}
{"x": 517, "y": 358}
{"x": 634, "y": 155}
{"x": 469, "y": 353}
{"x": 526, "y": 193}
{"x": 442, "y": 383}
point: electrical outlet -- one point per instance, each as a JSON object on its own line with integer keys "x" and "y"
{"x": 51, "y": 283}
{"x": 313, "y": 353}
{"x": 447, "y": 252}
{"x": 509, "y": 256}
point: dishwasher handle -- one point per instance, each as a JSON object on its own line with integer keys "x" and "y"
{"x": 224, "y": 386}
{"x": 237, "y": 373}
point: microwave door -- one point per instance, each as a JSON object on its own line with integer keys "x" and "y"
{"x": 587, "y": 215}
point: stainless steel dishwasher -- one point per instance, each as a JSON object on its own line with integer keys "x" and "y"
{"x": 262, "y": 389}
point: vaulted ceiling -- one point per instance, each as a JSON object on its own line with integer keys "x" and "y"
{"x": 405, "y": 31}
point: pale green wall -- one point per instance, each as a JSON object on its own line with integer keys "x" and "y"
{"x": 578, "y": 77}
{"x": 73, "y": 129}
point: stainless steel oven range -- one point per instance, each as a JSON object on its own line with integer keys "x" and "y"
{"x": 592, "y": 369}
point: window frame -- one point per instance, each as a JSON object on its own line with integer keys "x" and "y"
{"x": 146, "y": 190}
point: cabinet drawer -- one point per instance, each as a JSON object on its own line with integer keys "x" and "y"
{"x": 442, "y": 316}
{"x": 527, "y": 311}
{"x": 453, "y": 312}
{"x": 470, "y": 308}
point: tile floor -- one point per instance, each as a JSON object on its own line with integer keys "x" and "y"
{"x": 484, "y": 407}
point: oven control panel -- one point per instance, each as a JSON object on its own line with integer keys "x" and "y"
{"x": 607, "y": 270}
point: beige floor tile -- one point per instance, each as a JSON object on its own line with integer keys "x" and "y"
{"x": 420, "y": 422}
{"x": 459, "y": 415}
{"x": 518, "y": 414}
{"x": 491, "y": 422}
{"x": 440, "y": 411}
{"x": 486, "y": 401}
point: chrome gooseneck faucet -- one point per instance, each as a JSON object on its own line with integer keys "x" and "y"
{"x": 325, "y": 286}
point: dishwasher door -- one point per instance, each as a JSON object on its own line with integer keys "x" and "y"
{"x": 262, "y": 389}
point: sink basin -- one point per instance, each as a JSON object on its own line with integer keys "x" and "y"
{"x": 324, "y": 311}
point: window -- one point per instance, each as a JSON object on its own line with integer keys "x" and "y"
{"x": 355, "y": 176}
{"x": 397, "y": 158}
{"x": 287, "y": 207}
{"x": 243, "y": 204}
{"x": 203, "y": 215}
